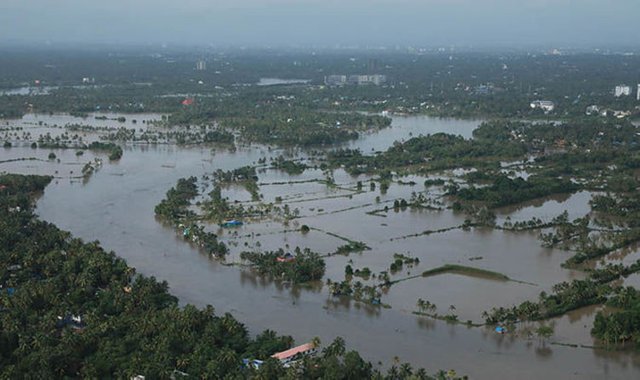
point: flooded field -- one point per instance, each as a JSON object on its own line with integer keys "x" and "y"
{"x": 116, "y": 206}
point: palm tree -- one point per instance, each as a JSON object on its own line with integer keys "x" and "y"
{"x": 544, "y": 332}
{"x": 315, "y": 342}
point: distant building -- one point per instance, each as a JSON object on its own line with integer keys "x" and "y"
{"x": 592, "y": 110}
{"x": 376, "y": 79}
{"x": 622, "y": 90}
{"x": 373, "y": 65}
{"x": 335, "y": 80}
{"x": 638, "y": 93}
{"x": 358, "y": 79}
{"x": 545, "y": 105}
{"x": 201, "y": 65}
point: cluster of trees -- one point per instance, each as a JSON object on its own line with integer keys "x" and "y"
{"x": 302, "y": 127}
{"x": 356, "y": 290}
{"x": 433, "y": 152}
{"x": 182, "y": 136}
{"x": 302, "y": 266}
{"x": 352, "y": 246}
{"x": 623, "y": 323}
{"x": 174, "y": 209}
{"x": 114, "y": 150}
{"x": 566, "y": 296}
{"x": 289, "y": 166}
{"x": 245, "y": 176}
{"x": 399, "y": 260}
{"x": 505, "y": 191}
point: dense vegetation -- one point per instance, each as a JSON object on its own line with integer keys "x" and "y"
{"x": 174, "y": 209}
{"x": 298, "y": 267}
{"x": 505, "y": 191}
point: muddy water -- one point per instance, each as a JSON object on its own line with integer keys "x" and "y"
{"x": 116, "y": 207}
{"x": 404, "y": 127}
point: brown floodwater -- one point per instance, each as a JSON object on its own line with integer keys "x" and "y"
{"x": 115, "y": 206}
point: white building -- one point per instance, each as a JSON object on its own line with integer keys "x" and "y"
{"x": 638, "y": 93}
{"x": 593, "y": 110}
{"x": 621, "y": 90}
{"x": 361, "y": 79}
{"x": 545, "y": 105}
{"x": 335, "y": 80}
{"x": 201, "y": 65}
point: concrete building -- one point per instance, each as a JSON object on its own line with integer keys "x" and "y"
{"x": 638, "y": 93}
{"x": 335, "y": 80}
{"x": 592, "y": 110}
{"x": 201, "y": 65}
{"x": 622, "y": 90}
{"x": 359, "y": 79}
{"x": 377, "y": 79}
{"x": 545, "y": 105}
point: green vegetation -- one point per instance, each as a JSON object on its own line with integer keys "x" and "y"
{"x": 301, "y": 267}
{"x": 245, "y": 176}
{"x": 288, "y": 166}
{"x": 566, "y": 296}
{"x": 114, "y": 150}
{"x": 399, "y": 260}
{"x": 351, "y": 246}
{"x": 505, "y": 191}
{"x": 174, "y": 209}
{"x": 465, "y": 271}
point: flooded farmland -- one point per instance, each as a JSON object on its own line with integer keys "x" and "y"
{"x": 116, "y": 207}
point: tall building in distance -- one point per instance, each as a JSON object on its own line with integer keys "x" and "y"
{"x": 201, "y": 65}
{"x": 359, "y": 79}
{"x": 373, "y": 65}
{"x": 621, "y": 90}
{"x": 638, "y": 93}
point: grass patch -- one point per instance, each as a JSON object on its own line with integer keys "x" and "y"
{"x": 466, "y": 271}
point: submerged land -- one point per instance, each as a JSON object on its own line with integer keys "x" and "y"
{"x": 434, "y": 207}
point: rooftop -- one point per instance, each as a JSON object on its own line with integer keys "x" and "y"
{"x": 293, "y": 351}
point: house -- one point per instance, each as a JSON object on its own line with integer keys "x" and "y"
{"x": 622, "y": 90}
{"x": 291, "y": 355}
{"x": 286, "y": 258}
{"x": 545, "y": 105}
{"x": 75, "y": 321}
{"x": 231, "y": 223}
{"x": 592, "y": 110}
{"x": 248, "y": 363}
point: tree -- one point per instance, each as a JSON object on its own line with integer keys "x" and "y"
{"x": 544, "y": 332}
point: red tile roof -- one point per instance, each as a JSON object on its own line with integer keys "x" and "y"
{"x": 293, "y": 351}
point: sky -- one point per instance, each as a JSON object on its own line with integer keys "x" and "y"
{"x": 561, "y": 23}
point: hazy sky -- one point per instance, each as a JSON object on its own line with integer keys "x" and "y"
{"x": 324, "y": 22}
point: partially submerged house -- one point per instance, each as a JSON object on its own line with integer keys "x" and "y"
{"x": 231, "y": 223}
{"x": 74, "y": 321}
{"x": 286, "y": 258}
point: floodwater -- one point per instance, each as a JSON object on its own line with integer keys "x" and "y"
{"x": 406, "y": 127}
{"x": 115, "y": 206}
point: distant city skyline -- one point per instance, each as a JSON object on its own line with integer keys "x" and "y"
{"x": 582, "y": 23}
